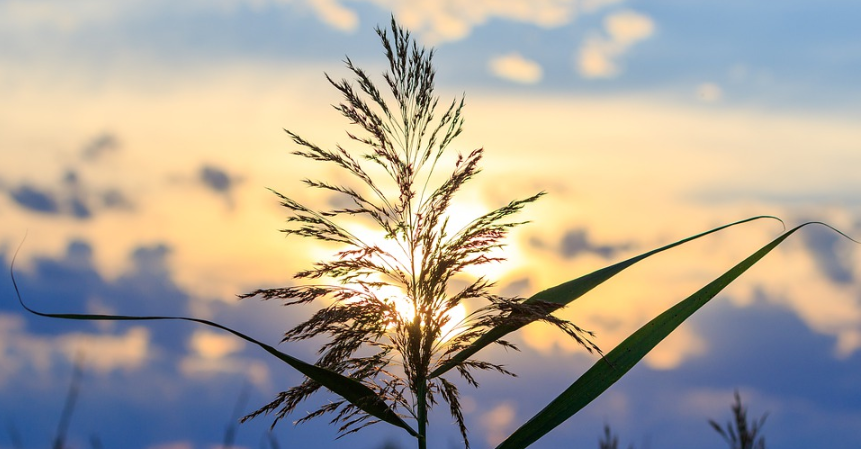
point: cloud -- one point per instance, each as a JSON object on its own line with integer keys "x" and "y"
{"x": 514, "y": 67}
{"x": 594, "y": 5}
{"x": 831, "y": 253}
{"x": 212, "y": 345}
{"x": 452, "y": 20}
{"x": 59, "y": 15}
{"x": 146, "y": 287}
{"x": 218, "y": 181}
{"x": 215, "y": 179}
{"x": 335, "y": 15}
{"x": 115, "y": 199}
{"x": 19, "y": 351}
{"x": 212, "y": 353}
{"x": 517, "y": 287}
{"x": 599, "y": 54}
{"x": 628, "y": 27}
{"x": 437, "y": 21}
{"x": 576, "y": 242}
{"x": 72, "y": 196}
{"x": 106, "y": 353}
{"x": 595, "y": 59}
{"x": 498, "y": 422}
{"x": 201, "y": 368}
{"x": 99, "y": 145}
{"x": 709, "y": 92}
{"x": 35, "y": 199}
{"x": 28, "y": 353}
{"x": 678, "y": 347}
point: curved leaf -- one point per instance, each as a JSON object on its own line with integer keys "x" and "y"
{"x": 350, "y": 389}
{"x": 567, "y": 292}
{"x": 623, "y": 357}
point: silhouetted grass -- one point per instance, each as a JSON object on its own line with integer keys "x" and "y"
{"x": 739, "y": 433}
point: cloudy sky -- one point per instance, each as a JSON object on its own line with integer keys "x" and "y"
{"x": 137, "y": 140}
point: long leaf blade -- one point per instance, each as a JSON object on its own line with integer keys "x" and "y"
{"x": 623, "y": 357}
{"x": 567, "y": 292}
{"x": 350, "y": 389}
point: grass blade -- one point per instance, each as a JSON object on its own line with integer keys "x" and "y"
{"x": 352, "y": 390}
{"x": 69, "y": 406}
{"x": 622, "y": 358}
{"x": 567, "y": 292}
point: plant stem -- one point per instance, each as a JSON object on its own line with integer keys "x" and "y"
{"x": 422, "y": 411}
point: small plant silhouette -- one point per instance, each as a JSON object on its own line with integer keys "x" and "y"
{"x": 739, "y": 433}
{"x": 610, "y": 440}
{"x": 388, "y": 303}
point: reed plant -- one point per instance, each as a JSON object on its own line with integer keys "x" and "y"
{"x": 739, "y": 433}
{"x": 393, "y": 348}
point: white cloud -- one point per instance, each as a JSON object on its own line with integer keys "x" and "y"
{"x": 594, "y": 5}
{"x": 196, "y": 367}
{"x": 58, "y": 14}
{"x": 336, "y": 15}
{"x": 434, "y": 20}
{"x": 212, "y": 345}
{"x": 628, "y": 27}
{"x": 18, "y": 350}
{"x": 451, "y": 20}
{"x": 598, "y": 55}
{"x": 800, "y": 286}
{"x": 70, "y": 16}
{"x": 596, "y": 59}
{"x": 675, "y": 349}
{"x": 106, "y": 353}
{"x": 211, "y": 355}
{"x": 514, "y": 67}
{"x": 709, "y": 92}
{"x": 21, "y": 351}
{"x": 497, "y": 422}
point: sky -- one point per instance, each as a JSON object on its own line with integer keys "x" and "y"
{"x": 138, "y": 140}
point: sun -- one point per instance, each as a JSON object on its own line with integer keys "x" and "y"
{"x": 404, "y": 307}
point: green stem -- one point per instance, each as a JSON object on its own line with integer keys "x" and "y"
{"x": 422, "y": 412}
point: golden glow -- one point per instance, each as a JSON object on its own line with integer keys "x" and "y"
{"x": 405, "y": 308}
{"x": 221, "y": 247}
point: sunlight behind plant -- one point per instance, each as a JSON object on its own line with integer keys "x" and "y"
{"x": 405, "y": 308}
{"x": 357, "y": 285}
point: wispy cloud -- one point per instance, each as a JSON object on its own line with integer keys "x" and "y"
{"x": 72, "y": 195}
{"x": 216, "y": 179}
{"x": 599, "y": 55}
{"x": 26, "y": 353}
{"x": 709, "y": 92}
{"x": 498, "y": 422}
{"x": 451, "y": 20}
{"x": 514, "y": 67}
{"x": 576, "y": 242}
{"x": 106, "y": 353}
{"x": 34, "y": 199}
{"x": 336, "y": 15}
{"x": 99, "y": 146}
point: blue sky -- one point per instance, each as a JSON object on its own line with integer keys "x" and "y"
{"x": 137, "y": 139}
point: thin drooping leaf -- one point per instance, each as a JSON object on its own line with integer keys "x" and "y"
{"x": 623, "y": 357}
{"x": 350, "y": 389}
{"x": 567, "y": 292}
